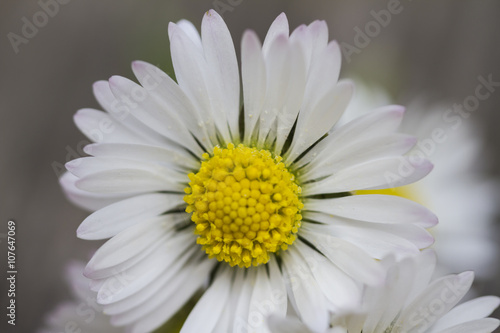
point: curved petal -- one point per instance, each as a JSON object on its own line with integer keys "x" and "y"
{"x": 110, "y": 220}
{"x": 373, "y": 175}
{"x": 87, "y": 200}
{"x": 221, "y": 59}
{"x": 375, "y": 208}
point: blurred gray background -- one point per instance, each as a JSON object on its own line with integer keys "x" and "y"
{"x": 433, "y": 48}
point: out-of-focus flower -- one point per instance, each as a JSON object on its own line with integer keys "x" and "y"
{"x": 408, "y": 303}
{"x": 82, "y": 314}
{"x": 266, "y": 187}
{"x": 464, "y": 200}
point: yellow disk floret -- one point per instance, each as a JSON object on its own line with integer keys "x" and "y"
{"x": 245, "y": 204}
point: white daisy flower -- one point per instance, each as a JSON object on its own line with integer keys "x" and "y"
{"x": 408, "y": 303}
{"x": 457, "y": 191}
{"x": 249, "y": 203}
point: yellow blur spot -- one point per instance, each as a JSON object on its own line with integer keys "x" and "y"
{"x": 410, "y": 192}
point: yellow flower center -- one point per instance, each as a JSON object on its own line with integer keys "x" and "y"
{"x": 245, "y": 204}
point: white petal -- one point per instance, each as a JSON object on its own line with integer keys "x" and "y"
{"x": 349, "y": 258}
{"x": 374, "y": 148}
{"x": 477, "y": 308}
{"x": 180, "y": 160}
{"x": 373, "y": 175}
{"x": 85, "y": 166}
{"x": 486, "y": 325}
{"x": 261, "y": 302}
{"x": 87, "y": 200}
{"x": 206, "y": 313}
{"x": 135, "y": 279}
{"x": 242, "y": 308}
{"x": 375, "y": 208}
{"x": 195, "y": 78}
{"x": 126, "y": 181}
{"x": 226, "y": 323}
{"x": 221, "y": 59}
{"x": 188, "y": 283}
{"x": 116, "y": 253}
{"x": 426, "y": 264}
{"x": 129, "y": 305}
{"x": 338, "y": 287}
{"x": 190, "y": 30}
{"x": 277, "y": 64}
{"x": 278, "y": 286}
{"x": 278, "y": 27}
{"x": 310, "y": 301}
{"x": 375, "y": 123}
{"x": 437, "y": 299}
{"x": 253, "y": 75}
{"x": 315, "y": 122}
{"x": 295, "y": 84}
{"x": 279, "y": 324}
{"x": 98, "y": 126}
{"x": 378, "y": 240}
{"x": 158, "y": 117}
{"x": 173, "y": 100}
{"x": 121, "y": 112}
{"x": 110, "y": 220}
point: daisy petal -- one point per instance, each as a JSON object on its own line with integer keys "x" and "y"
{"x": 221, "y": 59}
{"x": 194, "y": 77}
{"x": 171, "y": 97}
{"x": 371, "y": 149}
{"x": 110, "y": 220}
{"x": 98, "y": 126}
{"x": 376, "y": 208}
{"x": 253, "y": 75}
{"x": 159, "y": 118}
{"x": 286, "y": 325}
{"x": 178, "y": 158}
{"x": 377, "y": 122}
{"x": 190, "y": 30}
{"x": 373, "y": 175}
{"x": 309, "y": 299}
{"x": 126, "y": 181}
{"x": 449, "y": 290}
{"x": 191, "y": 280}
{"x": 321, "y": 117}
{"x": 87, "y": 200}
{"x": 121, "y": 112}
{"x": 349, "y": 258}
{"x": 477, "y": 308}
{"x": 278, "y": 27}
{"x": 133, "y": 241}
{"x": 208, "y": 309}
{"x": 485, "y": 325}
{"x": 242, "y": 307}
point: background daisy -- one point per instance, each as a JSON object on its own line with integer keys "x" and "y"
{"x": 457, "y": 190}
{"x": 410, "y": 302}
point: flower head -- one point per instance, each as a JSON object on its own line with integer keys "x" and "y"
{"x": 251, "y": 204}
